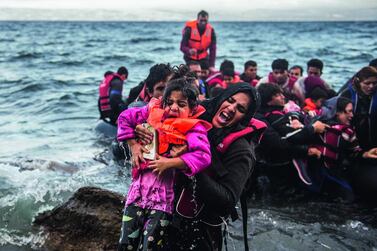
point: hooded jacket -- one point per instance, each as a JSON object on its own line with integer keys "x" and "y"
{"x": 220, "y": 186}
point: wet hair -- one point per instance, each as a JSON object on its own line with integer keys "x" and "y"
{"x": 373, "y": 63}
{"x": 315, "y": 62}
{"x": 203, "y": 13}
{"x": 342, "y": 103}
{"x": 318, "y": 93}
{"x": 183, "y": 71}
{"x": 186, "y": 87}
{"x": 250, "y": 63}
{"x": 226, "y": 64}
{"x": 123, "y": 71}
{"x": 267, "y": 91}
{"x": 364, "y": 73}
{"x": 192, "y": 62}
{"x": 157, "y": 73}
{"x": 228, "y": 72}
{"x": 280, "y": 64}
{"x": 297, "y": 67}
{"x": 204, "y": 64}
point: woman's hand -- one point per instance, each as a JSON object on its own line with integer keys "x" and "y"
{"x": 137, "y": 151}
{"x": 371, "y": 154}
{"x": 160, "y": 164}
{"x": 295, "y": 123}
{"x": 143, "y": 134}
{"x": 312, "y": 151}
{"x": 319, "y": 127}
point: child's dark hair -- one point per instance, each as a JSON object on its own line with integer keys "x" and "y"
{"x": 267, "y": 91}
{"x": 342, "y": 103}
{"x": 228, "y": 72}
{"x": 226, "y": 64}
{"x": 184, "y": 85}
{"x": 318, "y": 93}
{"x": 183, "y": 71}
{"x": 157, "y": 73}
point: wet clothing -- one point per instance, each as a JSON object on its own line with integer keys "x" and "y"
{"x": 365, "y": 117}
{"x": 149, "y": 224}
{"x": 116, "y": 103}
{"x": 152, "y": 195}
{"x": 186, "y": 44}
{"x": 220, "y": 186}
{"x": 274, "y": 140}
{"x": 147, "y": 189}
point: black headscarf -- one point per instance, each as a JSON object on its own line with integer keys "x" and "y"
{"x": 216, "y": 135}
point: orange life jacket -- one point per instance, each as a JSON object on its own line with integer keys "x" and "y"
{"x": 172, "y": 130}
{"x": 200, "y": 43}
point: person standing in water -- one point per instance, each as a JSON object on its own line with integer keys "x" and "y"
{"x": 198, "y": 37}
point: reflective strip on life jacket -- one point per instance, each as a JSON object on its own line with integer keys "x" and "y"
{"x": 255, "y": 126}
{"x": 200, "y": 43}
{"x": 331, "y": 140}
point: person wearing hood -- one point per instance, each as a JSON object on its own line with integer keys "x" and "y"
{"x": 219, "y": 187}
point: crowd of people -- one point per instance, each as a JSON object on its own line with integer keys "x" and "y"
{"x": 215, "y": 132}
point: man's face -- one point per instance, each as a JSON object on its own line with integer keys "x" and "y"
{"x": 295, "y": 72}
{"x": 280, "y": 75}
{"x": 251, "y": 72}
{"x": 314, "y": 71}
{"x": 202, "y": 21}
{"x": 197, "y": 69}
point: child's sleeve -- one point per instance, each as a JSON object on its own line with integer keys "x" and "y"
{"x": 198, "y": 155}
{"x": 128, "y": 120}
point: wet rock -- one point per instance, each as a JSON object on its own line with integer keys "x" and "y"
{"x": 89, "y": 220}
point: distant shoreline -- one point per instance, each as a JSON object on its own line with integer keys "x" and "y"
{"x": 247, "y": 14}
{"x": 165, "y": 21}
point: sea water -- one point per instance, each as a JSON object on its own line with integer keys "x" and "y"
{"x": 49, "y": 77}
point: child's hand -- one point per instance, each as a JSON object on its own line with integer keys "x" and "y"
{"x": 143, "y": 134}
{"x": 137, "y": 151}
{"x": 178, "y": 150}
{"x": 160, "y": 164}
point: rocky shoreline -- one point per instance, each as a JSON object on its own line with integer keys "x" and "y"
{"x": 89, "y": 220}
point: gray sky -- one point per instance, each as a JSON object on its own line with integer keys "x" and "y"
{"x": 242, "y": 10}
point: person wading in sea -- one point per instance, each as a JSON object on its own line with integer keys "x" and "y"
{"x": 198, "y": 36}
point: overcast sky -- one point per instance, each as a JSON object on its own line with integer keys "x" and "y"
{"x": 182, "y": 10}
